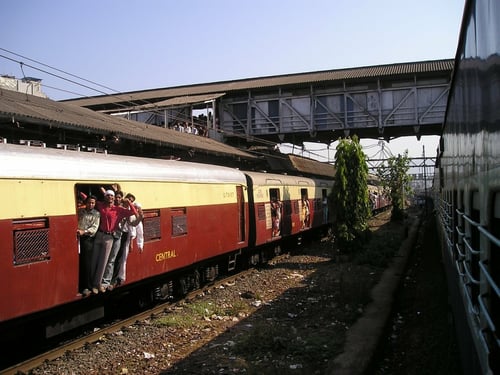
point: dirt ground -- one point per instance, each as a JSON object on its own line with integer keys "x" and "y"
{"x": 289, "y": 317}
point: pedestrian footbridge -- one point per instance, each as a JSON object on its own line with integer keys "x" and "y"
{"x": 383, "y": 101}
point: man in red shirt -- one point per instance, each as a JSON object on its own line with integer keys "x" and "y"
{"x": 111, "y": 215}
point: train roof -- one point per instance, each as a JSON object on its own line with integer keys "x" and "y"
{"x": 22, "y": 162}
{"x": 262, "y": 178}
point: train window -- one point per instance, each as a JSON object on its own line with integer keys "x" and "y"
{"x": 261, "y": 212}
{"x": 179, "y": 221}
{"x": 31, "y": 240}
{"x": 151, "y": 225}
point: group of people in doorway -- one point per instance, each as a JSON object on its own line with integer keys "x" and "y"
{"x": 107, "y": 229}
{"x": 276, "y": 213}
{"x": 306, "y": 213}
{"x": 276, "y": 216}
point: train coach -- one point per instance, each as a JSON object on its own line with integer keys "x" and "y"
{"x": 283, "y": 205}
{"x": 192, "y": 213}
{"x": 198, "y": 219}
{"x": 467, "y": 186}
{"x": 379, "y": 199}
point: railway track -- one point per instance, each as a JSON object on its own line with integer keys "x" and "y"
{"x": 109, "y": 329}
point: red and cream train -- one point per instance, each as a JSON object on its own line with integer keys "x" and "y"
{"x": 198, "y": 219}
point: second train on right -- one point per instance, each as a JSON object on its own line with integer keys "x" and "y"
{"x": 467, "y": 187}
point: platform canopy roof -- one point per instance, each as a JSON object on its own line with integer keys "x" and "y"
{"x": 18, "y": 108}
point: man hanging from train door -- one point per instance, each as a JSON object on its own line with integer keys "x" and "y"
{"x": 88, "y": 223}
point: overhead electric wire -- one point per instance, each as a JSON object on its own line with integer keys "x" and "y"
{"x": 63, "y": 90}
{"x": 59, "y": 70}
{"x": 52, "y": 74}
{"x": 72, "y": 81}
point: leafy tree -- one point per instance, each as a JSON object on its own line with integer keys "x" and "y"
{"x": 396, "y": 181}
{"x": 351, "y": 205}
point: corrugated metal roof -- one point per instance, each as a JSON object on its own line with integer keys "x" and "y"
{"x": 15, "y": 106}
{"x": 298, "y": 164}
{"x": 312, "y": 166}
{"x": 327, "y": 76}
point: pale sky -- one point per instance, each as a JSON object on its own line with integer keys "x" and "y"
{"x": 126, "y": 45}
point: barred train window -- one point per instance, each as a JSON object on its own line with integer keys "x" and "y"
{"x": 261, "y": 212}
{"x": 31, "y": 240}
{"x": 151, "y": 225}
{"x": 179, "y": 221}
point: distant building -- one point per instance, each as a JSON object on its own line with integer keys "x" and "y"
{"x": 27, "y": 85}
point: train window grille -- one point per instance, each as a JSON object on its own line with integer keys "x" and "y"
{"x": 261, "y": 212}
{"x": 474, "y": 250}
{"x": 454, "y": 223}
{"x": 470, "y": 283}
{"x": 490, "y": 299}
{"x": 460, "y": 262}
{"x": 445, "y": 220}
{"x": 485, "y": 304}
{"x": 448, "y": 220}
{"x": 460, "y": 235}
{"x": 151, "y": 225}
{"x": 179, "y": 222}
{"x": 31, "y": 240}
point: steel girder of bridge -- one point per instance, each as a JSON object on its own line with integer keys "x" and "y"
{"x": 384, "y": 107}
